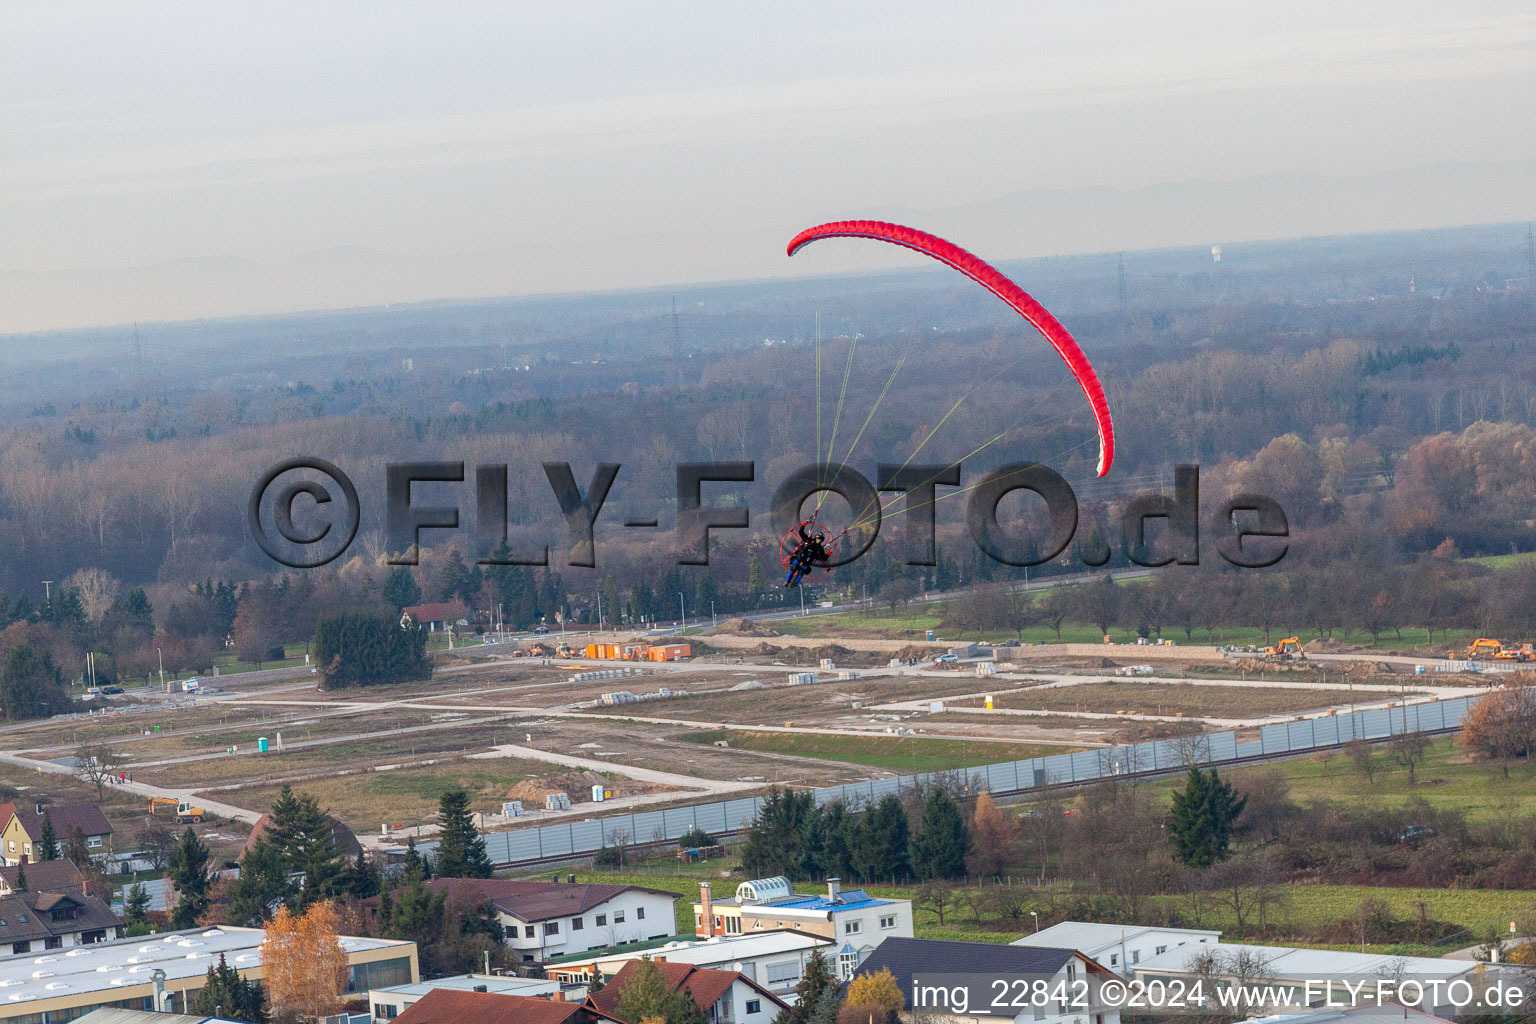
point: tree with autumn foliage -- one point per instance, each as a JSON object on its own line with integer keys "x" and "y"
{"x": 994, "y": 838}
{"x": 305, "y": 965}
{"x": 872, "y": 997}
{"x": 1501, "y": 726}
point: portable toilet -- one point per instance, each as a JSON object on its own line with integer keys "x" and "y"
{"x": 262, "y": 746}
{"x": 598, "y": 794}
{"x": 989, "y": 702}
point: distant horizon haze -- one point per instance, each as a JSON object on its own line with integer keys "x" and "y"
{"x": 214, "y": 162}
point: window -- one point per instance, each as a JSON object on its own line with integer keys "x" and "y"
{"x": 889, "y": 921}
{"x": 639, "y": 913}
{"x": 386, "y": 1011}
{"x": 552, "y": 928}
{"x": 847, "y": 963}
{"x": 602, "y": 919}
{"x": 1040, "y": 1010}
{"x": 1135, "y": 956}
{"x": 527, "y": 958}
{"x": 26, "y": 849}
{"x": 733, "y": 925}
{"x": 618, "y": 917}
{"x": 1114, "y": 959}
{"x": 779, "y": 973}
{"x": 94, "y": 842}
{"x": 53, "y": 942}
{"x": 21, "y": 947}
{"x": 852, "y": 927}
{"x": 11, "y": 846}
{"x": 527, "y": 931}
{"x": 754, "y": 1006}
{"x": 1161, "y": 950}
{"x": 576, "y": 924}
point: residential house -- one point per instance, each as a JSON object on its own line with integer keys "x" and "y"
{"x": 548, "y": 919}
{"x": 1120, "y": 947}
{"x": 960, "y": 980}
{"x": 446, "y": 1006}
{"x": 22, "y": 830}
{"x": 440, "y": 616}
{"x": 389, "y": 1003}
{"x": 773, "y": 959}
{"x": 726, "y": 997}
{"x": 38, "y": 921}
{"x": 44, "y": 876}
{"x": 854, "y": 920}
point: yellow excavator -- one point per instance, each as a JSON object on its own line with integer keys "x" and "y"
{"x": 184, "y": 811}
{"x": 1287, "y": 650}
{"x": 1522, "y": 653}
{"x": 1483, "y": 648}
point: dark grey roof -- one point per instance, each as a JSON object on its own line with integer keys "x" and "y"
{"x": 929, "y": 957}
{"x": 46, "y": 876}
{"x": 88, "y": 818}
{"x": 29, "y": 915}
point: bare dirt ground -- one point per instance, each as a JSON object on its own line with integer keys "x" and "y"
{"x": 1133, "y": 697}
{"x": 486, "y": 726}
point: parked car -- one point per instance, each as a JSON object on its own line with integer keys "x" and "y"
{"x": 111, "y": 690}
{"x": 945, "y": 659}
{"x": 1415, "y": 834}
{"x": 541, "y": 629}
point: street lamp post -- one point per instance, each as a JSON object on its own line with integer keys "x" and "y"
{"x": 682, "y": 610}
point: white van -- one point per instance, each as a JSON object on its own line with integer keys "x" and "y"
{"x": 190, "y": 686}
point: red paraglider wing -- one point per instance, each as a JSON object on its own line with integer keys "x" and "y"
{"x": 992, "y": 279}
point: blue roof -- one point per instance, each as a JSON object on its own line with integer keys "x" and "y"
{"x": 848, "y": 899}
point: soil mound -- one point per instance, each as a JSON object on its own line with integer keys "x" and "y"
{"x": 745, "y": 627}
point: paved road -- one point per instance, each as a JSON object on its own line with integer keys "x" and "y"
{"x": 144, "y": 789}
{"x": 629, "y": 771}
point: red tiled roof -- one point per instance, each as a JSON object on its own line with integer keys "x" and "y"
{"x": 531, "y": 901}
{"x": 706, "y": 985}
{"x": 449, "y": 1006}
{"x": 450, "y": 611}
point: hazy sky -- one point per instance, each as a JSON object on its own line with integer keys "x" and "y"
{"x": 170, "y": 160}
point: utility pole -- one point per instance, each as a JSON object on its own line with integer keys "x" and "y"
{"x": 682, "y": 610}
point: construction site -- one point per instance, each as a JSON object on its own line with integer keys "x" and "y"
{"x": 542, "y": 731}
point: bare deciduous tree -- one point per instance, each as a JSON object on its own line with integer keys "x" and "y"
{"x": 97, "y": 763}
{"x": 97, "y": 590}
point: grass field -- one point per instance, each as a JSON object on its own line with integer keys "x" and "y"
{"x": 407, "y": 795}
{"x": 1447, "y": 779}
{"x": 1504, "y": 561}
{"x": 894, "y": 753}
{"x": 1173, "y": 698}
{"x": 881, "y": 622}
